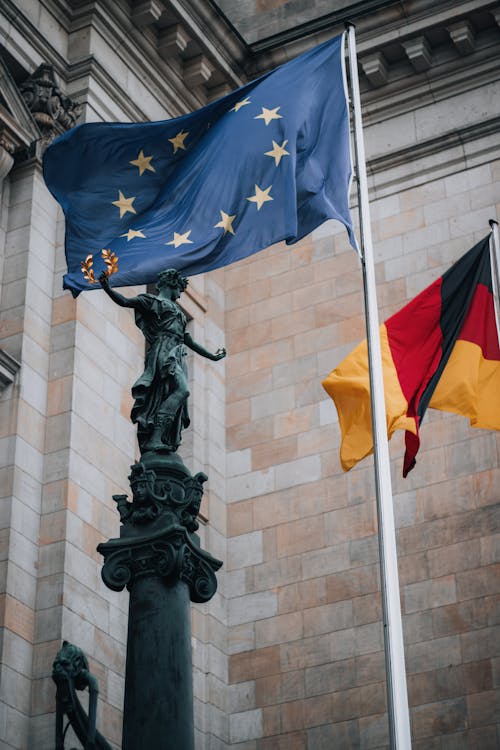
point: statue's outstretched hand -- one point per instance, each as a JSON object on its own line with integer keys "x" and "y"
{"x": 220, "y": 353}
{"x": 103, "y": 280}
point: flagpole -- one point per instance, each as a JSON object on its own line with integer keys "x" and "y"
{"x": 495, "y": 270}
{"x": 397, "y": 695}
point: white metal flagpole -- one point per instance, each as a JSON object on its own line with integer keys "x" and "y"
{"x": 495, "y": 270}
{"x": 397, "y": 695}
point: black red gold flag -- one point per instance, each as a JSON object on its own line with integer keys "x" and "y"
{"x": 441, "y": 350}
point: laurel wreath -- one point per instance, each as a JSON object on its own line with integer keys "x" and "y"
{"x": 110, "y": 259}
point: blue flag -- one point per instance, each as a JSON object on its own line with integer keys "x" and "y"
{"x": 268, "y": 162}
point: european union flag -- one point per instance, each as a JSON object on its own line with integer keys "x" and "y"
{"x": 268, "y": 162}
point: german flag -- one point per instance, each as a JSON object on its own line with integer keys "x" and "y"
{"x": 441, "y": 350}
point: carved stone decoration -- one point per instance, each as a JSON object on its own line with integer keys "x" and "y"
{"x": 170, "y": 554}
{"x": 53, "y": 111}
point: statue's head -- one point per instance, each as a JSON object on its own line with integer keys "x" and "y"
{"x": 141, "y": 483}
{"x": 70, "y": 662}
{"x": 171, "y": 279}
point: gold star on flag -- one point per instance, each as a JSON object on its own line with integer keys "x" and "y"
{"x": 239, "y": 105}
{"x": 142, "y": 163}
{"x": 178, "y": 141}
{"x": 277, "y": 152}
{"x": 268, "y": 114}
{"x": 180, "y": 239}
{"x": 124, "y": 204}
{"x": 226, "y": 222}
{"x": 260, "y": 197}
{"x": 133, "y": 233}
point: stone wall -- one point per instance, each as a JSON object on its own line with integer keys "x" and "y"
{"x": 305, "y": 634}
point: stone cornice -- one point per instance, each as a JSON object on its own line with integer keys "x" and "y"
{"x": 186, "y": 51}
{"x": 454, "y": 78}
{"x": 433, "y": 158}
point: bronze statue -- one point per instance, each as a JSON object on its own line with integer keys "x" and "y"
{"x": 161, "y": 393}
{"x": 71, "y": 672}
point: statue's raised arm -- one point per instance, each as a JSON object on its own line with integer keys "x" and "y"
{"x": 161, "y": 393}
{"x": 120, "y": 299}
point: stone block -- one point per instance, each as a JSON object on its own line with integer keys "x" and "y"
{"x": 276, "y": 452}
{"x": 241, "y": 638}
{"x": 17, "y": 652}
{"x": 483, "y": 708}
{"x": 279, "y": 629}
{"x": 296, "y": 421}
{"x": 16, "y": 689}
{"x": 413, "y": 568}
{"x": 466, "y": 615}
{"x": 344, "y": 734}
{"x": 241, "y": 696}
{"x": 479, "y": 582}
{"x": 276, "y": 573}
{"x": 252, "y": 607}
{"x": 374, "y": 732}
{"x": 297, "y": 536}
{"x": 247, "y": 435}
{"x": 21, "y": 584}
{"x": 428, "y": 594}
{"x": 449, "y": 715}
{"x": 436, "y": 685}
{"x": 250, "y": 665}
{"x": 245, "y": 550}
{"x": 429, "y": 655}
{"x": 480, "y": 644}
{"x": 474, "y": 455}
{"x": 301, "y": 471}
{"x": 328, "y": 618}
{"x": 490, "y": 549}
{"x": 246, "y": 725}
{"x": 351, "y": 583}
{"x": 485, "y": 738}
{"x": 289, "y": 741}
{"x": 454, "y": 557}
{"x": 317, "y": 563}
{"x": 318, "y": 710}
{"x": 240, "y": 517}
{"x": 279, "y": 688}
{"x": 453, "y": 529}
{"x": 366, "y": 609}
{"x": 328, "y": 678}
{"x": 364, "y": 551}
{"x": 368, "y": 638}
{"x": 420, "y": 626}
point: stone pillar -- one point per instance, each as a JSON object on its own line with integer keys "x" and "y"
{"x": 158, "y": 558}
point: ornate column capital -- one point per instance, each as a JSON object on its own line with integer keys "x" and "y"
{"x": 157, "y": 535}
{"x": 170, "y": 554}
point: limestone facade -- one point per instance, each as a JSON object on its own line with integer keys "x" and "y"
{"x": 289, "y": 653}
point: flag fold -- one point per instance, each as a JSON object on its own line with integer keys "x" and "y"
{"x": 268, "y": 162}
{"x": 441, "y": 350}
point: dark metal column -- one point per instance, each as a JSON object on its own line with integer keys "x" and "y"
{"x": 159, "y": 684}
{"x": 158, "y": 558}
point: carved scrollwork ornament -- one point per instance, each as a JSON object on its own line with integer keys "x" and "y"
{"x": 116, "y": 571}
{"x": 198, "y": 575}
